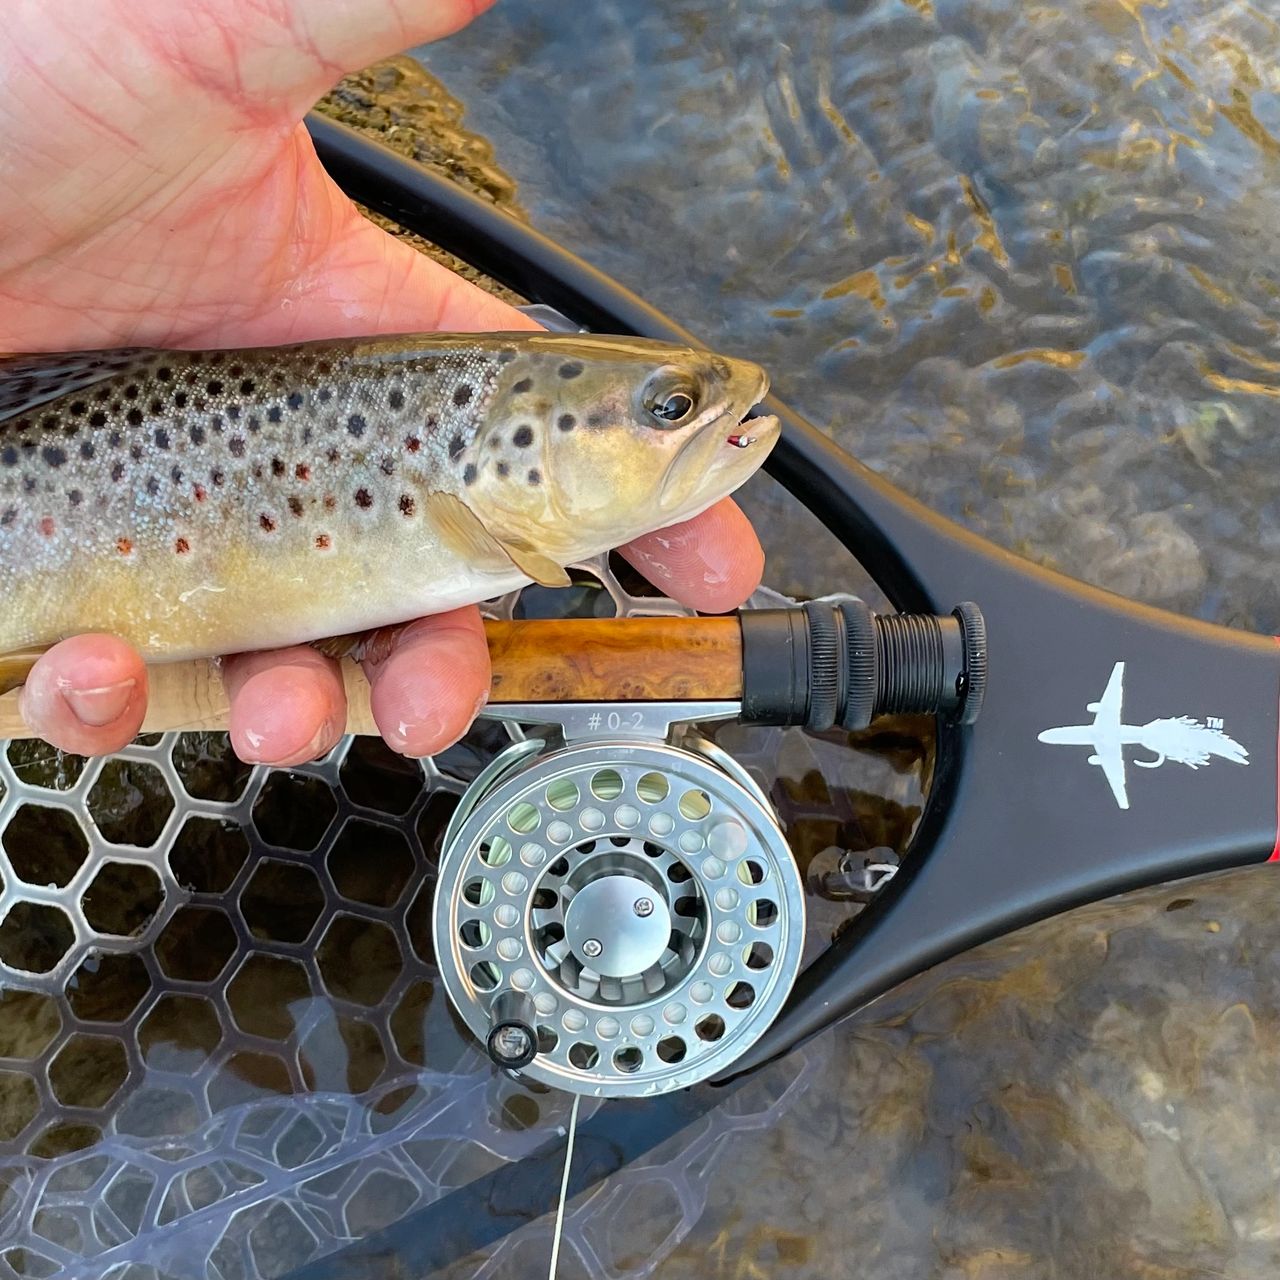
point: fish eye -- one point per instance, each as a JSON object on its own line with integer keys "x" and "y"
{"x": 670, "y": 398}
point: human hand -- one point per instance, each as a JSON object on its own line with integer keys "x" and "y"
{"x": 161, "y": 190}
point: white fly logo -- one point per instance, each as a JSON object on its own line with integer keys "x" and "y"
{"x": 1182, "y": 739}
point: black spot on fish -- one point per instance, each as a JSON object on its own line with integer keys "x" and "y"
{"x": 217, "y": 476}
{"x": 456, "y": 447}
{"x": 277, "y": 466}
{"x": 175, "y": 474}
{"x": 364, "y": 499}
{"x": 535, "y": 476}
{"x": 523, "y": 436}
{"x": 9, "y": 516}
{"x": 387, "y": 466}
{"x": 596, "y": 419}
{"x": 131, "y": 391}
{"x": 28, "y": 484}
{"x": 294, "y": 400}
{"x": 235, "y": 371}
{"x": 246, "y": 387}
{"x": 495, "y": 443}
{"x": 469, "y": 473}
{"x": 295, "y": 506}
{"x": 267, "y": 523}
{"x": 406, "y": 504}
{"x": 462, "y": 396}
{"x": 136, "y": 453}
{"x": 53, "y": 456}
{"x": 570, "y": 369}
{"x": 156, "y": 406}
{"x": 324, "y": 395}
{"x": 162, "y": 438}
{"x": 164, "y": 373}
{"x": 236, "y": 445}
{"x": 233, "y": 412}
{"x": 396, "y": 398}
{"x": 97, "y": 418}
{"x": 525, "y": 384}
{"x": 217, "y": 357}
{"x": 153, "y": 485}
{"x": 566, "y": 422}
{"x": 503, "y": 470}
{"x": 87, "y": 450}
{"x": 134, "y": 417}
{"x": 114, "y": 439}
{"x": 275, "y": 413}
{"x": 180, "y": 399}
{"x": 431, "y": 423}
{"x": 79, "y": 408}
{"x": 506, "y": 355}
{"x": 333, "y": 455}
{"x": 9, "y": 456}
{"x": 117, "y": 470}
{"x": 75, "y": 497}
{"x": 257, "y": 473}
{"x": 254, "y": 424}
{"x": 214, "y": 386}
{"x": 196, "y": 432}
{"x": 356, "y": 424}
{"x": 307, "y": 433}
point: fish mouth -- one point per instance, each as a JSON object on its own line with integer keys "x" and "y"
{"x": 713, "y": 462}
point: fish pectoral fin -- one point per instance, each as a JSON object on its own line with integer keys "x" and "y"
{"x": 16, "y": 666}
{"x": 533, "y": 564}
{"x": 465, "y": 533}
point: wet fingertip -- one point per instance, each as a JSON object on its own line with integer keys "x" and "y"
{"x": 282, "y": 717}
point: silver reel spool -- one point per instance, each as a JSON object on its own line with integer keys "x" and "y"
{"x": 620, "y": 915}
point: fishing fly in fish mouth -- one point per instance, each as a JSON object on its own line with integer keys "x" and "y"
{"x": 184, "y": 536}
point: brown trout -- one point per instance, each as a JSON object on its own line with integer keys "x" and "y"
{"x": 205, "y": 503}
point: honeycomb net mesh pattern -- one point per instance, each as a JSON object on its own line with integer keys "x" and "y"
{"x": 223, "y": 1048}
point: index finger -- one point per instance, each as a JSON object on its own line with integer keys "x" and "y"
{"x": 711, "y": 563}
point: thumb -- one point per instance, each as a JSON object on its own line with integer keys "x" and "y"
{"x": 297, "y": 50}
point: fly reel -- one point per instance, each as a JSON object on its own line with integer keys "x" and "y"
{"x": 618, "y": 912}
{"x": 618, "y": 917}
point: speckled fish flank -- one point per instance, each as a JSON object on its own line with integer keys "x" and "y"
{"x": 199, "y": 503}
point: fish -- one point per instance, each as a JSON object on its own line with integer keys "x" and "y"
{"x": 204, "y": 503}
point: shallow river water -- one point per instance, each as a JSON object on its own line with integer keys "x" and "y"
{"x": 1023, "y": 260}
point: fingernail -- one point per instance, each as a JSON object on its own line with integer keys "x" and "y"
{"x": 100, "y": 706}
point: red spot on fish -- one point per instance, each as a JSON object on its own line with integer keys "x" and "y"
{"x": 47, "y": 526}
{"x": 199, "y": 491}
{"x": 302, "y": 471}
{"x": 182, "y": 546}
{"x": 124, "y": 546}
{"x": 330, "y": 502}
{"x": 322, "y": 542}
{"x": 413, "y": 444}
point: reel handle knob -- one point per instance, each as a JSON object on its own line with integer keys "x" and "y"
{"x": 819, "y": 665}
{"x": 512, "y": 1041}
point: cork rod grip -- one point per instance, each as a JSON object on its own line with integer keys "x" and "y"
{"x": 573, "y": 660}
